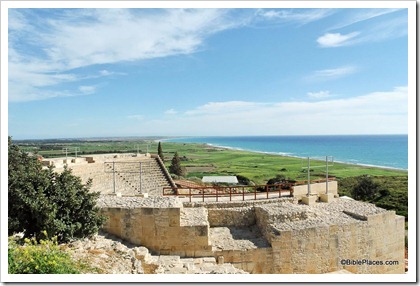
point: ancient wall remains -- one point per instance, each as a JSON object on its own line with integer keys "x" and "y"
{"x": 316, "y": 189}
{"x": 274, "y": 236}
{"x": 160, "y": 224}
{"x": 318, "y": 239}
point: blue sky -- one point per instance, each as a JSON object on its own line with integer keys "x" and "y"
{"x": 197, "y": 72}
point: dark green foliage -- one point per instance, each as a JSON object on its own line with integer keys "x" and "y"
{"x": 175, "y": 167}
{"x": 391, "y": 193}
{"x": 242, "y": 180}
{"x": 365, "y": 189}
{"x": 160, "y": 152}
{"x": 384, "y": 192}
{"x": 277, "y": 180}
{"x": 43, "y": 200}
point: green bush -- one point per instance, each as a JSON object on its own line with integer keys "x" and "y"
{"x": 41, "y": 199}
{"x": 366, "y": 189}
{"x": 44, "y": 257}
{"x": 176, "y": 168}
{"x": 389, "y": 192}
{"x": 277, "y": 180}
{"x": 242, "y": 180}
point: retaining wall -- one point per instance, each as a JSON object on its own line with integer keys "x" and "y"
{"x": 301, "y": 238}
{"x": 316, "y": 189}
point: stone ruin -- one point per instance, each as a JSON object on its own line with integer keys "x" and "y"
{"x": 299, "y": 234}
{"x": 269, "y": 236}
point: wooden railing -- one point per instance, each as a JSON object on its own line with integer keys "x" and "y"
{"x": 241, "y": 192}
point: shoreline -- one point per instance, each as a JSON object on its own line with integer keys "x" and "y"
{"x": 289, "y": 156}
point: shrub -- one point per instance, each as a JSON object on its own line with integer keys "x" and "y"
{"x": 44, "y": 257}
{"x": 175, "y": 167}
{"x": 278, "y": 179}
{"x": 160, "y": 152}
{"x": 365, "y": 189}
{"x": 242, "y": 180}
{"x": 40, "y": 199}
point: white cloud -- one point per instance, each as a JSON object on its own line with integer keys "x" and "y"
{"x": 319, "y": 95}
{"x": 330, "y": 74}
{"x": 378, "y": 29}
{"x": 42, "y": 52}
{"x": 136, "y": 117}
{"x": 359, "y": 15}
{"x": 335, "y": 39}
{"x": 373, "y": 113}
{"x": 300, "y": 16}
{"x": 217, "y": 107}
{"x": 105, "y": 73}
{"x": 87, "y": 89}
{"x": 171, "y": 111}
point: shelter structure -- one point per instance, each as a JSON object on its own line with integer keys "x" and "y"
{"x": 220, "y": 179}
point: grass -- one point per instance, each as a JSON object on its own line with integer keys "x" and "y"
{"x": 260, "y": 167}
{"x": 203, "y": 160}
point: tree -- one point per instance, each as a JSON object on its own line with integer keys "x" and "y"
{"x": 365, "y": 189}
{"x": 160, "y": 152}
{"x": 242, "y": 180}
{"x": 277, "y": 180}
{"x": 175, "y": 167}
{"x": 43, "y": 200}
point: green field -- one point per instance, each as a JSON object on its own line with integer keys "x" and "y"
{"x": 201, "y": 159}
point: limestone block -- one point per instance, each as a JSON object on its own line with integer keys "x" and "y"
{"x": 202, "y": 231}
{"x": 327, "y": 198}
{"x": 203, "y": 253}
{"x": 311, "y": 200}
{"x": 144, "y": 195}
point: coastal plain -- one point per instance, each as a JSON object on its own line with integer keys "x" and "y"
{"x": 206, "y": 160}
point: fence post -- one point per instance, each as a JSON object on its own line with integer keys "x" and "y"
{"x": 113, "y": 172}
{"x": 217, "y": 193}
{"x": 202, "y": 191}
{"x": 255, "y": 194}
{"x": 230, "y": 194}
{"x": 141, "y": 191}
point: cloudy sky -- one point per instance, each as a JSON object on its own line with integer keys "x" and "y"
{"x": 176, "y": 72}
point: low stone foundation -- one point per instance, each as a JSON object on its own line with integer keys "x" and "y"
{"x": 156, "y": 223}
{"x": 273, "y": 236}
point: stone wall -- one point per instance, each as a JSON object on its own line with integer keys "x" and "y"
{"x": 330, "y": 234}
{"x": 254, "y": 261}
{"x": 240, "y": 213}
{"x": 275, "y": 236}
{"x": 160, "y": 224}
{"x": 316, "y": 189}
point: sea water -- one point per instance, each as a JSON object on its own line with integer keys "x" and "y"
{"x": 389, "y": 151}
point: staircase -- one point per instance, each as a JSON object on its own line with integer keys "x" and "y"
{"x": 139, "y": 177}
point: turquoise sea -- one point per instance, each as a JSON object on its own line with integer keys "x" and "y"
{"x": 389, "y": 151}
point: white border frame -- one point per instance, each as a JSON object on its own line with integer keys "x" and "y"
{"x": 412, "y": 155}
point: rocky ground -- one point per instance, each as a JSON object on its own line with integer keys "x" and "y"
{"x": 106, "y": 254}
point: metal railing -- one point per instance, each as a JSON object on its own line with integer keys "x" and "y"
{"x": 238, "y": 192}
